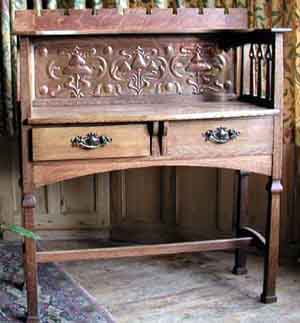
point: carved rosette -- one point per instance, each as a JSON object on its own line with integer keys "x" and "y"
{"x": 109, "y": 69}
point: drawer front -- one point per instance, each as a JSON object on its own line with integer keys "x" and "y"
{"x": 58, "y": 143}
{"x": 221, "y": 138}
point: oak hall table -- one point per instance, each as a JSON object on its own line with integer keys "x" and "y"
{"x": 101, "y": 91}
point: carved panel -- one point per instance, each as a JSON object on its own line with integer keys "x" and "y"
{"x": 132, "y": 65}
{"x": 72, "y": 71}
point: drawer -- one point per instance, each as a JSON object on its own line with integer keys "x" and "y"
{"x": 221, "y": 138}
{"x": 61, "y": 143}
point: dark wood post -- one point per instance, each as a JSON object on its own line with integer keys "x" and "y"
{"x": 240, "y": 265}
{"x": 29, "y": 203}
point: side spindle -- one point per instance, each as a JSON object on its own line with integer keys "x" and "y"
{"x": 256, "y": 85}
{"x": 79, "y": 4}
{"x": 122, "y": 5}
{"x": 38, "y": 6}
{"x": 97, "y": 4}
{"x": 269, "y": 60}
{"x": 52, "y": 4}
{"x": 259, "y": 73}
{"x": 242, "y": 67}
{"x": 161, "y": 4}
{"x": 252, "y": 69}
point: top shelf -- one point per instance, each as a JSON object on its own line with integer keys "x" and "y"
{"x": 111, "y": 21}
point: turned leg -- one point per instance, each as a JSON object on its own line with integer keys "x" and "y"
{"x": 272, "y": 243}
{"x": 240, "y": 261}
{"x": 30, "y": 265}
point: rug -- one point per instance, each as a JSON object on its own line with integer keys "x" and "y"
{"x": 61, "y": 299}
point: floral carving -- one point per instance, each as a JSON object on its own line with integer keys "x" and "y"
{"x": 140, "y": 68}
{"x": 169, "y": 67}
{"x": 203, "y": 68}
{"x": 74, "y": 70}
{"x": 78, "y": 73}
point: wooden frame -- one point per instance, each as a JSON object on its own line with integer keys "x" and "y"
{"x": 108, "y": 21}
{"x": 197, "y": 91}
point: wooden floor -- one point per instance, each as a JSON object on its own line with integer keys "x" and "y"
{"x": 187, "y": 288}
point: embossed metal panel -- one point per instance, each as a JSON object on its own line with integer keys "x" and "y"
{"x": 132, "y": 66}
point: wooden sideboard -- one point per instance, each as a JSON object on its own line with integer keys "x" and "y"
{"x": 105, "y": 91}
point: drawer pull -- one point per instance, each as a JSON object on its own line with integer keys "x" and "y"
{"x": 90, "y": 141}
{"x": 221, "y": 135}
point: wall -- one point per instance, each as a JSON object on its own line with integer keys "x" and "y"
{"x": 155, "y": 204}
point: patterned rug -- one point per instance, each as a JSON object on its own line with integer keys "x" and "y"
{"x": 61, "y": 298}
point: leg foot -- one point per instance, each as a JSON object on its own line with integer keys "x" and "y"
{"x": 239, "y": 270}
{"x": 268, "y": 299}
{"x": 32, "y": 319}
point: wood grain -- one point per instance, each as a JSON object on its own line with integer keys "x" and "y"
{"x": 178, "y": 120}
{"x": 51, "y": 172}
{"x": 193, "y": 201}
{"x": 183, "y": 109}
{"x": 55, "y": 143}
{"x": 187, "y": 138}
{"x": 117, "y": 68}
{"x": 52, "y": 223}
{"x": 109, "y": 21}
{"x": 272, "y": 243}
{"x": 30, "y": 262}
{"x": 26, "y": 99}
{"x": 145, "y": 250}
{"x": 275, "y": 187}
{"x": 240, "y": 266}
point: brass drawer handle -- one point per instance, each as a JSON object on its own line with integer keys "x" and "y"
{"x": 90, "y": 141}
{"x": 221, "y": 135}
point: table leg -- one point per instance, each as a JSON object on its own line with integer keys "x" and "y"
{"x": 30, "y": 264}
{"x": 240, "y": 263}
{"x": 272, "y": 243}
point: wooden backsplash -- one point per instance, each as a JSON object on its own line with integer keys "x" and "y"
{"x": 176, "y": 203}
